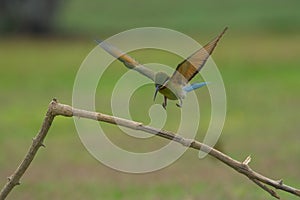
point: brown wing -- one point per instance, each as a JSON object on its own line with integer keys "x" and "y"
{"x": 127, "y": 60}
{"x": 187, "y": 69}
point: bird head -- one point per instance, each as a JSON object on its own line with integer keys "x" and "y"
{"x": 160, "y": 79}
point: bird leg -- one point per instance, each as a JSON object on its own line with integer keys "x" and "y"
{"x": 180, "y": 103}
{"x": 164, "y": 104}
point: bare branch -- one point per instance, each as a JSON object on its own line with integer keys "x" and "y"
{"x": 56, "y": 109}
{"x": 37, "y": 142}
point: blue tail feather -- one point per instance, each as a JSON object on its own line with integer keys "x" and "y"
{"x": 194, "y": 86}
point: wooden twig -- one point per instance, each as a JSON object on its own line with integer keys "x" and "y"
{"x": 37, "y": 142}
{"x": 56, "y": 109}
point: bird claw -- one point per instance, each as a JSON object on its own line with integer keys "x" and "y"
{"x": 179, "y": 104}
{"x": 164, "y": 106}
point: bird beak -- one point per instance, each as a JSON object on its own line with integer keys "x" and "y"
{"x": 156, "y": 90}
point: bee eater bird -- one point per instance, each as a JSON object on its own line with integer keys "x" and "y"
{"x": 176, "y": 86}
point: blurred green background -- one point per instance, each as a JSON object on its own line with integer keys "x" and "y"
{"x": 43, "y": 43}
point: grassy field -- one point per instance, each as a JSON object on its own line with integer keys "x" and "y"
{"x": 258, "y": 59}
{"x": 262, "y": 87}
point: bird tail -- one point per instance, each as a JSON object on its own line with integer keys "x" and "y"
{"x": 194, "y": 86}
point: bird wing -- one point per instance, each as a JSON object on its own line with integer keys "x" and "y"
{"x": 127, "y": 60}
{"x": 188, "y": 68}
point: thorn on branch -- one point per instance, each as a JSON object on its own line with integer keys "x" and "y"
{"x": 280, "y": 182}
{"x": 247, "y": 160}
{"x": 10, "y": 180}
{"x": 42, "y": 145}
{"x": 34, "y": 140}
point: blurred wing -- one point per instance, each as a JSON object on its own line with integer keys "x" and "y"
{"x": 127, "y": 60}
{"x": 187, "y": 69}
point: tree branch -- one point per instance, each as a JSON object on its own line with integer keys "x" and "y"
{"x": 56, "y": 109}
{"x": 37, "y": 142}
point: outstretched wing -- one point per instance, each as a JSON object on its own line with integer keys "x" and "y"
{"x": 188, "y": 68}
{"x": 127, "y": 60}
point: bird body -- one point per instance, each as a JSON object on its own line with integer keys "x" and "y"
{"x": 172, "y": 91}
{"x": 173, "y": 87}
